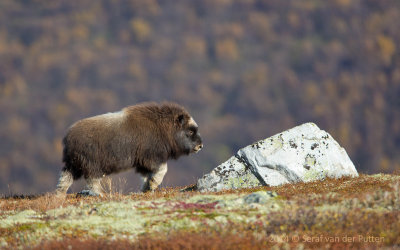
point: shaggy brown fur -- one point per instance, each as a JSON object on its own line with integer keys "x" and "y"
{"x": 143, "y": 137}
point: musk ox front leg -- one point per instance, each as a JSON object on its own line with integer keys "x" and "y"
{"x": 64, "y": 182}
{"x": 153, "y": 180}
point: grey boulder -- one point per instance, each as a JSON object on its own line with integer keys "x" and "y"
{"x": 303, "y": 153}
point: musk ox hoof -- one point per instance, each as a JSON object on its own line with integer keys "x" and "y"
{"x": 87, "y": 193}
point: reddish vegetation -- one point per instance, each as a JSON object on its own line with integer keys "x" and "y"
{"x": 207, "y": 240}
{"x": 348, "y": 187}
{"x": 195, "y": 206}
{"x": 177, "y": 241}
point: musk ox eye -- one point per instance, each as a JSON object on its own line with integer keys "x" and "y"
{"x": 190, "y": 133}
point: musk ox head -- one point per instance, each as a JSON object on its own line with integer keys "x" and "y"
{"x": 187, "y": 137}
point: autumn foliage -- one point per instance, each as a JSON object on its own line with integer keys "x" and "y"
{"x": 245, "y": 69}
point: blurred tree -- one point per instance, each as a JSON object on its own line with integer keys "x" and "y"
{"x": 227, "y": 50}
{"x": 245, "y": 69}
{"x": 141, "y": 29}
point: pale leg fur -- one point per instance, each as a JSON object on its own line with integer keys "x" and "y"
{"x": 94, "y": 185}
{"x": 64, "y": 182}
{"x": 153, "y": 180}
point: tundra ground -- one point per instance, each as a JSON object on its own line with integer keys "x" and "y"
{"x": 334, "y": 213}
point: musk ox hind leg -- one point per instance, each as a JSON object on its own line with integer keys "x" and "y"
{"x": 64, "y": 182}
{"x": 93, "y": 188}
{"x": 153, "y": 180}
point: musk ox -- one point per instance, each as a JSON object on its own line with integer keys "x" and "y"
{"x": 142, "y": 137}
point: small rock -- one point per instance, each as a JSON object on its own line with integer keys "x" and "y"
{"x": 260, "y": 197}
{"x": 87, "y": 193}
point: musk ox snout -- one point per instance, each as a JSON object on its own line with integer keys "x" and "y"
{"x": 198, "y": 144}
{"x": 198, "y": 148}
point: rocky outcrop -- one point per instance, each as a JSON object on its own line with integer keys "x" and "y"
{"x": 303, "y": 153}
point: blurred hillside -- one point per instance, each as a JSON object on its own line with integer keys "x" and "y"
{"x": 245, "y": 69}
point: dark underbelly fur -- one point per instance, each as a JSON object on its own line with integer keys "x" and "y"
{"x": 142, "y": 170}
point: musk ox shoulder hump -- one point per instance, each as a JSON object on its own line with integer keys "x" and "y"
{"x": 113, "y": 115}
{"x": 104, "y": 119}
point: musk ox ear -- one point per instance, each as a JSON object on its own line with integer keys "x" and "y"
{"x": 180, "y": 120}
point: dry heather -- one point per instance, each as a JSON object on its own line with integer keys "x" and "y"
{"x": 363, "y": 212}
